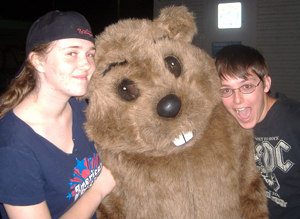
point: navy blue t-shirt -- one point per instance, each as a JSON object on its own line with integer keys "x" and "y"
{"x": 33, "y": 170}
{"x": 277, "y": 155}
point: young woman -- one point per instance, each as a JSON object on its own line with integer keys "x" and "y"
{"x": 48, "y": 167}
{"x": 245, "y": 83}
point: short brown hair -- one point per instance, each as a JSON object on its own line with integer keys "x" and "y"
{"x": 238, "y": 60}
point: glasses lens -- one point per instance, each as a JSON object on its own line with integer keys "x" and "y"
{"x": 247, "y": 88}
{"x": 226, "y": 92}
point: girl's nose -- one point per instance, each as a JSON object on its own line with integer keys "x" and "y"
{"x": 84, "y": 63}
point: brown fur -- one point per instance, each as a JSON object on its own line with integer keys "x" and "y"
{"x": 211, "y": 176}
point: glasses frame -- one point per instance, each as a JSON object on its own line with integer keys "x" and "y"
{"x": 239, "y": 88}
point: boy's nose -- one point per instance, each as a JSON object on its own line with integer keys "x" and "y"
{"x": 237, "y": 96}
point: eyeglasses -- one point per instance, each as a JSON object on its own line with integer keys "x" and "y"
{"x": 245, "y": 89}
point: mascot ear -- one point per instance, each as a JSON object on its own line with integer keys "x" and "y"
{"x": 179, "y": 22}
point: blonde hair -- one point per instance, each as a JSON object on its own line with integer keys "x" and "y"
{"x": 22, "y": 84}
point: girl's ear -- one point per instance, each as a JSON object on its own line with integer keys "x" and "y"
{"x": 267, "y": 83}
{"x": 37, "y": 62}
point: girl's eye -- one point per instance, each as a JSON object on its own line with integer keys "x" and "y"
{"x": 90, "y": 55}
{"x": 71, "y": 53}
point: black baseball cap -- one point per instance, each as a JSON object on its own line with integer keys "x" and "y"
{"x": 56, "y": 25}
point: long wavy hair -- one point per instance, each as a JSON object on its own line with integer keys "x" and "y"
{"x": 24, "y": 83}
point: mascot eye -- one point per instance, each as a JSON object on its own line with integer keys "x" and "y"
{"x": 128, "y": 90}
{"x": 173, "y": 65}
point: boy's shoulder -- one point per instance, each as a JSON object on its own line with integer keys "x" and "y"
{"x": 288, "y": 105}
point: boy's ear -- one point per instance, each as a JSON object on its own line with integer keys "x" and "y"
{"x": 267, "y": 83}
{"x": 37, "y": 62}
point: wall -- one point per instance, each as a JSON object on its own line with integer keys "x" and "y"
{"x": 278, "y": 38}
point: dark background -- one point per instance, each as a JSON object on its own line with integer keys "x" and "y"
{"x": 99, "y": 13}
{"x": 17, "y": 16}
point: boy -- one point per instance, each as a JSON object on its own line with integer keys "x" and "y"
{"x": 245, "y": 83}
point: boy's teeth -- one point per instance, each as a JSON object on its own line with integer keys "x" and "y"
{"x": 239, "y": 110}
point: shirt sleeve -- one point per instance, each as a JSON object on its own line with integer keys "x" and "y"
{"x": 21, "y": 181}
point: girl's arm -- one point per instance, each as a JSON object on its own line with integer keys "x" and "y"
{"x": 85, "y": 207}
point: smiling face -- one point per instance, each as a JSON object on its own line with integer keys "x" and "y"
{"x": 68, "y": 67}
{"x": 247, "y": 109}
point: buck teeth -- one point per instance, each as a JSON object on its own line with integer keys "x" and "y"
{"x": 183, "y": 138}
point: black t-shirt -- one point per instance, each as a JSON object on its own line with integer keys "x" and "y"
{"x": 277, "y": 156}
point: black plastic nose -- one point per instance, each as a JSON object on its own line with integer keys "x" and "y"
{"x": 169, "y": 106}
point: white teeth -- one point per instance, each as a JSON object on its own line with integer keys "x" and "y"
{"x": 239, "y": 110}
{"x": 183, "y": 138}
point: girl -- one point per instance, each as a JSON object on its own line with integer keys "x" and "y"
{"x": 48, "y": 167}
